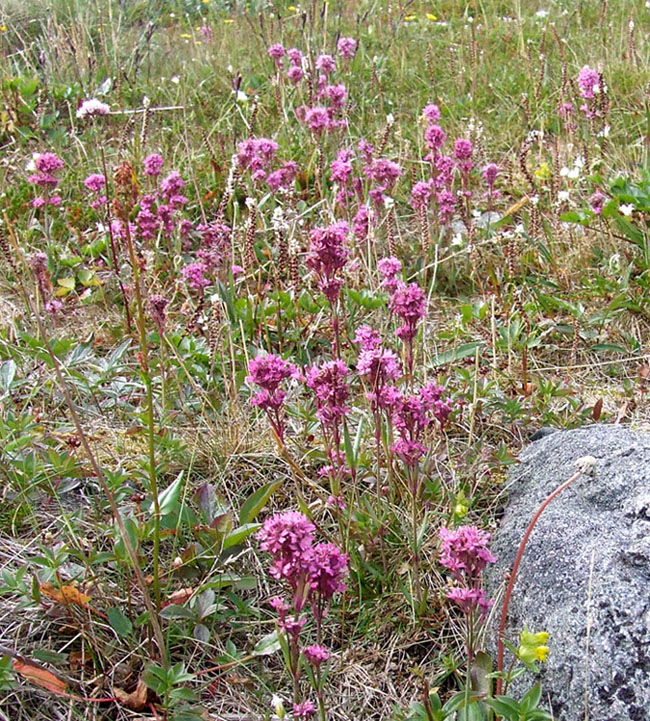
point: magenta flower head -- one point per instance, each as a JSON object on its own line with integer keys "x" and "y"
{"x": 435, "y": 137}
{"x": 95, "y": 182}
{"x": 431, "y": 113}
{"x": 295, "y": 56}
{"x": 171, "y": 187}
{"x": 463, "y": 149}
{"x": 347, "y": 47}
{"x": 489, "y": 174}
{"x": 276, "y": 51}
{"x": 470, "y": 599}
{"x": 316, "y": 655}
{"x": 304, "y": 710}
{"x": 194, "y": 275}
{"x": 289, "y": 538}
{"x": 409, "y": 302}
{"x": 367, "y": 338}
{"x": 325, "y": 64}
{"x": 597, "y": 201}
{"x": 91, "y": 108}
{"x": 268, "y": 371}
{"x": 421, "y": 194}
{"x": 383, "y": 171}
{"x": 465, "y": 552}
{"x": 328, "y": 567}
{"x": 295, "y": 74}
{"x": 328, "y": 255}
{"x": 153, "y": 164}
{"x": 390, "y": 268}
{"x": 588, "y": 82}
{"x": 48, "y": 163}
{"x": 328, "y": 381}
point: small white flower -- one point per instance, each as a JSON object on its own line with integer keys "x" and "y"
{"x": 627, "y": 210}
{"x": 175, "y": 79}
{"x": 389, "y": 203}
{"x": 631, "y": 26}
{"x": 278, "y": 706}
{"x": 579, "y": 162}
{"x": 534, "y": 199}
{"x": 574, "y": 173}
{"x": 604, "y": 133}
{"x": 31, "y": 166}
{"x": 541, "y": 13}
{"x": 390, "y": 120}
{"x": 519, "y": 229}
{"x": 241, "y": 97}
{"x": 564, "y": 172}
{"x": 563, "y": 196}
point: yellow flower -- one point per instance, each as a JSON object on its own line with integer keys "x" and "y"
{"x": 542, "y": 653}
{"x": 228, "y": 21}
{"x": 431, "y": 16}
{"x": 292, "y": 9}
{"x": 3, "y": 28}
{"x": 187, "y": 36}
{"x": 543, "y": 172}
{"x": 206, "y": 1}
{"x": 532, "y": 646}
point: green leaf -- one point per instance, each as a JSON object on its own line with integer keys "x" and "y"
{"x": 168, "y": 499}
{"x": 608, "y": 348}
{"x": 267, "y": 645}
{"x": 119, "y": 622}
{"x": 239, "y": 535}
{"x": 479, "y": 673}
{"x": 504, "y": 706}
{"x": 531, "y": 699}
{"x": 465, "y": 350}
{"x": 256, "y": 502}
{"x": 7, "y": 374}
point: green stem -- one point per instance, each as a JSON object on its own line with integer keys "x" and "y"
{"x": 144, "y": 363}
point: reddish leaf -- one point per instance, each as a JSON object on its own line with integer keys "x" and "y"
{"x": 41, "y": 677}
{"x": 180, "y": 596}
{"x": 598, "y": 409}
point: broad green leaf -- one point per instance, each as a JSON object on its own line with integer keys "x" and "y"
{"x": 256, "y": 502}
{"x": 465, "y": 350}
{"x": 168, "y": 499}
{"x": 239, "y": 535}
{"x": 267, "y": 645}
{"x": 119, "y": 622}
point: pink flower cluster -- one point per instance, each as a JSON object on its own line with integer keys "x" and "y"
{"x": 328, "y": 381}
{"x": 464, "y": 552}
{"x": 314, "y": 571}
{"x": 588, "y": 82}
{"x": 409, "y": 303}
{"x": 258, "y": 156}
{"x": 268, "y": 372}
{"x": 327, "y": 257}
{"x": 47, "y": 165}
{"x": 95, "y": 183}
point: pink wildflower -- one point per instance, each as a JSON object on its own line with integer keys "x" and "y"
{"x": 289, "y": 538}
{"x": 325, "y": 64}
{"x": 304, "y": 710}
{"x": 367, "y": 338}
{"x": 431, "y": 113}
{"x": 328, "y": 255}
{"x": 597, "y": 201}
{"x": 92, "y": 107}
{"x": 295, "y": 56}
{"x": 347, "y": 47}
{"x": 276, "y": 51}
{"x": 295, "y": 74}
{"x": 316, "y": 655}
{"x": 328, "y": 567}
{"x": 331, "y": 390}
{"x": 588, "y": 82}
{"x": 194, "y": 275}
{"x": 465, "y": 552}
{"x": 435, "y": 137}
{"x": 421, "y": 194}
{"x": 153, "y": 164}
{"x": 95, "y": 182}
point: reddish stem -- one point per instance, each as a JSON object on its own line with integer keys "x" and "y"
{"x": 515, "y": 568}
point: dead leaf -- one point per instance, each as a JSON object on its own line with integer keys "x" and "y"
{"x": 598, "y": 408}
{"x": 41, "y": 677}
{"x": 180, "y": 596}
{"x": 136, "y": 700}
{"x": 65, "y": 594}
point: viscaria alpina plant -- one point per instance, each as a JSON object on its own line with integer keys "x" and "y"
{"x": 269, "y": 372}
{"x": 327, "y": 258}
{"x": 409, "y": 303}
{"x": 464, "y": 553}
{"x": 313, "y": 573}
{"x": 47, "y": 166}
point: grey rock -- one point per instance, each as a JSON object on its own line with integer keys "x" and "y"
{"x": 585, "y": 574}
